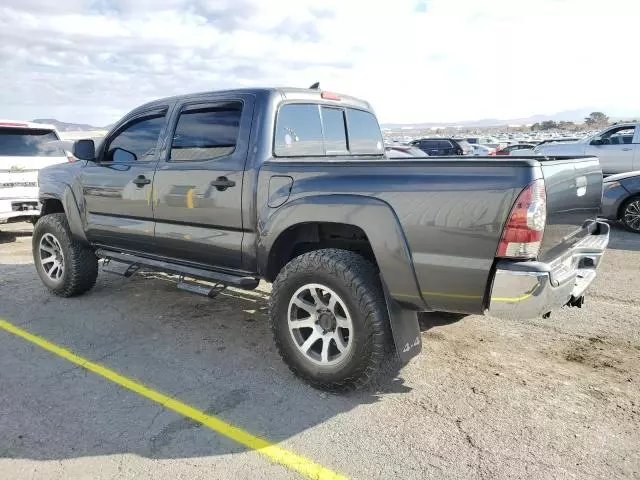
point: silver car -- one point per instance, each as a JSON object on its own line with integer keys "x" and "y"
{"x": 621, "y": 200}
{"x": 617, "y": 147}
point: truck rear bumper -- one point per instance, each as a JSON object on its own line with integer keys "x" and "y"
{"x": 532, "y": 289}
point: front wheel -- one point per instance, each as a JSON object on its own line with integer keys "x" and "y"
{"x": 65, "y": 266}
{"x": 630, "y": 214}
{"x": 329, "y": 319}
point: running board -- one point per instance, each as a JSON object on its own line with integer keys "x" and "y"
{"x": 244, "y": 282}
{"x": 120, "y": 268}
{"x": 200, "y": 288}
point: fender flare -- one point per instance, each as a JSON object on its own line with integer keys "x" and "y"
{"x": 65, "y": 195}
{"x": 382, "y": 227}
{"x": 373, "y": 216}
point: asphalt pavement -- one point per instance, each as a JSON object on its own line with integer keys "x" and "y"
{"x": 487, "y": 398}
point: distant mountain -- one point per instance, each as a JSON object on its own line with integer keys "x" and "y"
{"x": 65, "y": 126}
{"x": 568, "y": 116}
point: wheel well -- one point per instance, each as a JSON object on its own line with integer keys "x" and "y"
{"x": 307, "y": 237}
{"x": 51, "y": 205}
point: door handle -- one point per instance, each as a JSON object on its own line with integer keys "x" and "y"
{"x": 141, "y": 180}
{"x": 222, "y": 183}
{"x": 626, "y": 149}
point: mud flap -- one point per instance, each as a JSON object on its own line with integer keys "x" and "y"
{"x": 404, "y": 327}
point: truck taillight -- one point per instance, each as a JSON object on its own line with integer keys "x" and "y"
{"x": 523, "y": 231}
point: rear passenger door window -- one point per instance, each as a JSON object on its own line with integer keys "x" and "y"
{"x": 206, "y": 132}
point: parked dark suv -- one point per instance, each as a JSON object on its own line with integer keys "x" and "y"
{"x": 439, "y": 147}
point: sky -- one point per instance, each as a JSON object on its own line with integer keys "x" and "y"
{"x": 91, "y": 61}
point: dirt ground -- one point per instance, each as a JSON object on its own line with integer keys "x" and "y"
{"x": 487, "y": 398}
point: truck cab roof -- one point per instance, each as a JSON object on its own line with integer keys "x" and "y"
{"x": 282, "y": 93}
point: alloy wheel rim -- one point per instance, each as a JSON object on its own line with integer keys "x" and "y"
{"x": 632, "y": 215}
{"x": 51, "y": 257}
{"x": 320, "y": 324}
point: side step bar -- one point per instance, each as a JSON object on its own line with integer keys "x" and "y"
{"x": 247, "y": 283}
{"x": 199, "y": 288}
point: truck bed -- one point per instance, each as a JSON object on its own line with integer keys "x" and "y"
{"x": 452, "y": 210}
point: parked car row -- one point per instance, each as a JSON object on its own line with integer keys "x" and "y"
{"x": 617, "y": 147}
{"x": 451, "y": 146}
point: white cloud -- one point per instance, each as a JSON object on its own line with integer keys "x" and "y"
{"x": 415, "y": 60}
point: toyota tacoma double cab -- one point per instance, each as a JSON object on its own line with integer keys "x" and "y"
{"x": 292, "y": 186}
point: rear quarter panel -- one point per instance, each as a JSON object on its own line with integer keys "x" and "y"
{"x": 451, "y": 212}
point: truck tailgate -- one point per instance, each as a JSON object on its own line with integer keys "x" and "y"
{"x": 574, "y": 194}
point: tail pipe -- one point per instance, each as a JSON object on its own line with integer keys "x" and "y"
{"x": 576, "y": 301}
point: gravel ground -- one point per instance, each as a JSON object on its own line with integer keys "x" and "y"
{"x": 487, "y": 398}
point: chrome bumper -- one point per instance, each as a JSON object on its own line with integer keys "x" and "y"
{"x": 532, "y": 289}
{"x": 7, "y": 214}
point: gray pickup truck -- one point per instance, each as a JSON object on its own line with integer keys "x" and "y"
{"x": 293, "y": 186}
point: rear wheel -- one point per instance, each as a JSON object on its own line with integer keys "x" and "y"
{"x": 329, "y": 319}
{"x": 65, "y": 266}
{"x": 630, "y": 214}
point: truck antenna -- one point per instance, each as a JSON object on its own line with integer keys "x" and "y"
{"x": 315, "y": 86}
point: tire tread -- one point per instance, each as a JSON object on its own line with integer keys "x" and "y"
{"x": 81, "y": 263}
{"x": 361, "y": 278}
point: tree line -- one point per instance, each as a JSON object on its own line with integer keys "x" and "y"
{"x": 595, "y": 119}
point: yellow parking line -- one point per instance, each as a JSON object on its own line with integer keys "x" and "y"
{"x": 276, "y": 454}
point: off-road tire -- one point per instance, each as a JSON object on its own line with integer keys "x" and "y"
{"x": 357, "y": 282}
{"x": 80, "y": 262}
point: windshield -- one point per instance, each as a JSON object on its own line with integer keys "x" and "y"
{"x": 29, "y": 142}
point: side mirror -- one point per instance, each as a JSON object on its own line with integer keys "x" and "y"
{"x": 597, "y": 141}
{"x": 84, "y": 149}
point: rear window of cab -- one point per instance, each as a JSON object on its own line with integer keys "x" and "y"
{"x": 305, "y": 129}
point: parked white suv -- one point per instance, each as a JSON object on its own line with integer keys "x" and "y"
{"x": 25, "y": 148}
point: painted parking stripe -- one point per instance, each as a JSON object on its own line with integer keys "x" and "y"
{"x": 273, "y": 452}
